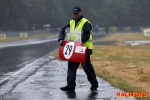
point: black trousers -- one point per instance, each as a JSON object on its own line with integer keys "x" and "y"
{"x": 88, "y": 69}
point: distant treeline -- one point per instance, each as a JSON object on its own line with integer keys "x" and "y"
{"x": 22, "y": 15}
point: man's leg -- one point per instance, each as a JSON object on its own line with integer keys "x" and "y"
{"x": 89, "y": 70}
{"x": 71, "y": 76}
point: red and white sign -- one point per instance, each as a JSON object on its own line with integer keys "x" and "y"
{"x": 73, "y": 51}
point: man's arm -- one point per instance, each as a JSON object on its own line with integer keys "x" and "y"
{"x": 62, "y": 32}
{"x": 86, "y": 31}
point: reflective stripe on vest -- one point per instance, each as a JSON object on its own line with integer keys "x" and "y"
{"x": 79, "y": 26}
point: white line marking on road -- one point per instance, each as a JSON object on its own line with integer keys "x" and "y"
{"x": 18, "y": 71}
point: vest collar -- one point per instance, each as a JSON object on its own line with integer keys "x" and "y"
{"x": 78, "y": 19}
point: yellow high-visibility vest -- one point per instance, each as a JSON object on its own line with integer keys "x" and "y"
{"x": 79, "y": 26}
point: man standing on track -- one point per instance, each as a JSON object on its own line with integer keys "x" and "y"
{"x": 79, "y": 22}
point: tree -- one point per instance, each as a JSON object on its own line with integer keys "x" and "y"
{"x": 21, "y": 15}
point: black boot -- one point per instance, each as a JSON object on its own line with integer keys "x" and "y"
{"x": 93, "y": 88}
{"x": 66, "y": 88}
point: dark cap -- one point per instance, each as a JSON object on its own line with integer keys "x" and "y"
{"x": 76, "y": 10}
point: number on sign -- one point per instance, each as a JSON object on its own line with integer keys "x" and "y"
{"x": 68, "y": 49}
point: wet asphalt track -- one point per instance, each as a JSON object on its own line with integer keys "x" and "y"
{"x": 15, "y": 55}
{"x": 46, "y": 82}
{"x": 12, "y": 56}
{"x": 41, "y": 78}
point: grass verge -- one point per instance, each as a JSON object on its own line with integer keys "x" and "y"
{"x": 125, "y": 67}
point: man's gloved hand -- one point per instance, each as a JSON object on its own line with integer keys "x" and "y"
{"x": 61, "y": 42}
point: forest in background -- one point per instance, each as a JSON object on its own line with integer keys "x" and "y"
{"x": 21, "y": 15}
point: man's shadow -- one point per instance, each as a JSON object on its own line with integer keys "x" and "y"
{"x": 93, "y": 95}
{"x": 72, "y": 94}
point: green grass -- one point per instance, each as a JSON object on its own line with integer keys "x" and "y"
{"x": 116, "y": 82}
{"x": 123, "y": 85}
{"x": 55, "y": 54}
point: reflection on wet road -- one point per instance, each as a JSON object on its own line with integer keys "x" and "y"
{"x": 13, "y": 58}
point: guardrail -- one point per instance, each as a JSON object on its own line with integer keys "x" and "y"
{"x": 23, "y": 34}
{"x": 146, "y": 32}
{"x": 2, "y": 36}
{"x": 26, "y": 33}
{"x": 114, "y": 29}
{"x": 57, "y": 30}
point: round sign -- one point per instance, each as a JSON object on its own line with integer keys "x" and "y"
{"x": 68, "y": 50}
